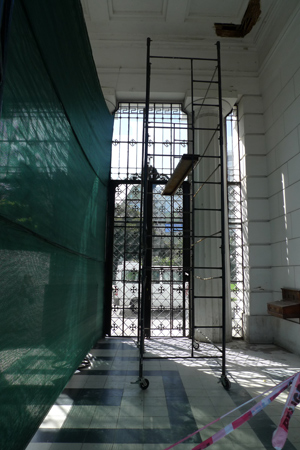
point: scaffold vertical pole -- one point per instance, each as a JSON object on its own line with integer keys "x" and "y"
{"x": 144, "y": 383}
{"x": 224, "y": 380}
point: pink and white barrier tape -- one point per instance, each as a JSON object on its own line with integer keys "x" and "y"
{"x": 279, "y": 436}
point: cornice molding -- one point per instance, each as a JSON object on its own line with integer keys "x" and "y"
{"x": 170, "y": 72}
{"x": 293, "y": 22}
{"x": 203, "y": 45}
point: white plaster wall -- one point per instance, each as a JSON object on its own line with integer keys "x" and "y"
{"x": 280, "y": 87}
{"x": 269, "y": 117}
{"x": 207, "y": 251}
{"x": 286, "y": 334}
{"x": 256, "y": 224}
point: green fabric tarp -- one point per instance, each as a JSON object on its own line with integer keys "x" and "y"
{"x": 54, "y": 170}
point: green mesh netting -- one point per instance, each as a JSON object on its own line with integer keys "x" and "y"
{"x": 54, "y": 168}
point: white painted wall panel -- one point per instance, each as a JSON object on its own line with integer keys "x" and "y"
{"x": 251, "y": 104}
{"x": 294, "y": 219}
{"x": 275, "y": 134}
{"x": 253, "y": 124}
{"x": 260, "y": 277}
{"x": 272, "y": 163}
{"x": 259, "y": 302}
{"x": 268, "y": 118}
{"x": 256, "y": 165}
{"x": 260, "y": 255}
{"x": 293, "y": 251}
{"x": 292, "y": 198}
{"x": 259, "y": 232}
{"x": 274, "y": 202}
{"x": 297, "y": 83}
{"x": 258, "y": 209}
{"x": 291, "y": 115}
{"x": 257, "y": 187}
{"x": 255, "y": 144}
{"x": 293, "y": 169}
{"x": 282, "y": 276}
{"x": 270, "y": 88}
{"x": 277, "y": 254}
{"x": 283, "y": 100}
{"x": 277, "y": 180}
{"x": 287, "y": 148}
{"x": 280, "y": 88}
{"x": 281, "y": 229}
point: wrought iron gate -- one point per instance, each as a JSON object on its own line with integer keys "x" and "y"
{"x": 126, "y": 260}
{"x": 168, "y": 220}
{"x": 167, "y": 300}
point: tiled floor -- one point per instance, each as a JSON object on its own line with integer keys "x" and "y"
{"x": 101, "y": 409}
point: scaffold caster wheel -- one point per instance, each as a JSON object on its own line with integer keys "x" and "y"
{"x": 196, "y": 345}
{"x": 144, "y": 383}
{"x": 225, "y": 382}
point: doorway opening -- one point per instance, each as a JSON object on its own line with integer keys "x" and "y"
{"x": 168, "y": 223}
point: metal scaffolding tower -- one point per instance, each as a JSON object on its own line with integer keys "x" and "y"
{"x": 204, "y": 270}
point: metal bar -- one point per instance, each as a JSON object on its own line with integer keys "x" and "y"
{"x": 208, "y": 182}
{"x": 206, "y": 81}
{"x": 183, "y": 57}
{"x": 192, "y": 280}
{"x": 186, "y": 251}
{"x": 208, "y": 157}
{"x": 140, "y": 249}
{"x": 180, "y": 128}
{"x": 186, "y": 357}
{"x": 207, "y": 104}
{"x": 208, "y": 209}
{"x": 242, "y": 243}
{"x": 123, "y": 264}
{"x": 144, "y": 193}
{"x": 222, "y": 214}
{"x": 205, "y": 129}
{"x": 166, "y": 143}
{"x": 152, "y": 126}
{"x": 209, "y": 236}
{"x": 148, "y": 262}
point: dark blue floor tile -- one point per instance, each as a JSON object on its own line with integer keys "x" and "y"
{"x": 130, "y": 436}
{"x": 116, "y": 358}
{"x": 172, "y": 382}
{"x": 158, "y": 436}
{"x": 181, "y": 418}
{"x": 71, "y": 435}
{"x": 108, "y": 397}
{"x": 45, "y": 435}
{"x": 176, "y": 394}
{"x": 99, "y": 436}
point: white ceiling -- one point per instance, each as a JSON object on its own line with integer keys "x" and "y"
{"x": 171, "y": 19}
{"x": 118, "y": 30}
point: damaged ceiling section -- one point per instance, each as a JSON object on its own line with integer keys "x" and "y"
{"x": 250, "y": 18}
